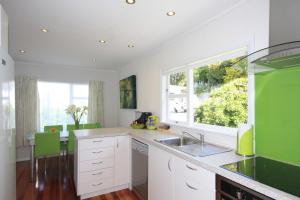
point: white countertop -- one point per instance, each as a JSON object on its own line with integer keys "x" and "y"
{"x": 211, "y": 163}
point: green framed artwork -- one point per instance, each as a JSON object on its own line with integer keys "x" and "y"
{"x": 128, "y": 93}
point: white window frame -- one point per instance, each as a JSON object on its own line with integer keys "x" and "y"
{"x": 189, "y": 69}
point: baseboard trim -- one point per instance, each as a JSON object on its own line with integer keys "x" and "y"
{"x": 104, "y": 191}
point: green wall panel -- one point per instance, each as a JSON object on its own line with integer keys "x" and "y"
{"x": 277, "y": 114}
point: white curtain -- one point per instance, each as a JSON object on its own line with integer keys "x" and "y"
{"x": 27, "y": 108}
{"x": 95, "y": 105}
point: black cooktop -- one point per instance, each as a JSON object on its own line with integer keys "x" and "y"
{"x": 276, "y": 174}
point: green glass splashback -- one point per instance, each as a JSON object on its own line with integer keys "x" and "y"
{"x": 277, "y": 114}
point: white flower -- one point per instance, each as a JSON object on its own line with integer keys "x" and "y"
{"x": 71, "y": 109}
{"x": 76, "y": 112}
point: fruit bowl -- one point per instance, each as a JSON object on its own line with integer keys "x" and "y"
{"x": 137, "y": 126}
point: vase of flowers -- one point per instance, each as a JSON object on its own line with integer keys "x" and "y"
{"x": 76, "y": 113}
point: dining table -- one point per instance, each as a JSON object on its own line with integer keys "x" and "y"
{"x": 31, "y": 140}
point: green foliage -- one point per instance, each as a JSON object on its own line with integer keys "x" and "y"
{"x": 178, "y": 79}
{"x": 226, "y": 106}
{"x": 236, "y": 71}
{"x": 213, "y": 75}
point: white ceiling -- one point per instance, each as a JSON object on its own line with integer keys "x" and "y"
{"x": 75, "y": 26}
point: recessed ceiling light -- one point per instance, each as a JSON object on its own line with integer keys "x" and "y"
{"x": 44, "y": 30}
{"x": 130, "y": 1}
{"x": 94, "y": 60}
{"x": 130, "y": 46}
{"x": 21, "y": 51}
{"x": 171, "y": 13}
{"x": 102, "y": 41}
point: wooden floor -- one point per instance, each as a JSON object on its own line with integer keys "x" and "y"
{"x": 55, "y": 184}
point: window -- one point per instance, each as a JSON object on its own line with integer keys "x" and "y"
{"x": 208, "y": 93}
{"x": 56, "y": 97}
{"x": 177, "y": 97}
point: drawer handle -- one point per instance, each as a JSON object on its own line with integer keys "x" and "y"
{"x": 97, "y": 151}
{"x": 98, "y": 141}
{"x": 169, "y": 165}
{"x": 97, "y": 163}
{"x": 97, "y": 184}
{"x": 191, "y": 187}
{"x": 99, "y": 173}
{"x": 191, "y": 168}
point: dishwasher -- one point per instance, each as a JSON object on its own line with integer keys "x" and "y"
{"x": 139, "y": 169}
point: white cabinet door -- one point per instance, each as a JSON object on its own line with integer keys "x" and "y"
{"x": 122, "y": 160}
{"x": 192, "y": 182}
{"x": 160, "y": 175}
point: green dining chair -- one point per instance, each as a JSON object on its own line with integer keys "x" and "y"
{"x": 46, "y": 145}
{"x": 91, "y": 126}
{"x": 88, "y": 126}
{"x": 53, "y": 129}
{"x": 71, "y": 142}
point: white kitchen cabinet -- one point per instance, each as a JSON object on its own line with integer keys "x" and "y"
{"x": 94, "y": 156}
{"x": 192, "y": 182}
{"x": 122, "y": 160}
{"x": 160, "y": 178}
{"x": 173, "y": 178}
{"x": 101, "y": 165}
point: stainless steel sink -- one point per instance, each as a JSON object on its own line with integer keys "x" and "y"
{"x": 177, "y": 141}
{"x": 193, "y": 147}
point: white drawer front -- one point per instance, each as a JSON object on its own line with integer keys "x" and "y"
{"x": 194, "y": 173}
{"x": 192, "y": 190}
{"x": 97, "y": 164}
{"x": 87, "y": 187}
{"x": 96, "y": 175}
{"x": 92, "y": 154}
{"x": 96, "y": 143}
{"x": 198, "y": 174}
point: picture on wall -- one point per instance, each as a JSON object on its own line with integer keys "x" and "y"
{"x": 128, "y": 93}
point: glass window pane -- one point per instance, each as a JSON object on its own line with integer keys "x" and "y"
{"x": 80, "y": 101}
{"x": 54, "y": 99}
{"x": 80, "y": 90}
{"x": 178, "y": 83}
{"x": 177, "y": 109}
{"x": 221, "y": 93}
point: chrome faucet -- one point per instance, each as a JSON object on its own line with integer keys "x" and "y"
{"x": 201, "y": 140}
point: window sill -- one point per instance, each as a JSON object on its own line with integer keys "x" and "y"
{"x": 207, "y": 128}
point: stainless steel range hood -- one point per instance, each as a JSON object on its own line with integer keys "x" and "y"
{"x": 282, "y": 56}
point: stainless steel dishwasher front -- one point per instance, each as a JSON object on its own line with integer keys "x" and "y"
{"x": 140, "y": 169}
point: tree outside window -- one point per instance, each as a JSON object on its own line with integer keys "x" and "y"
{"x": 217, "y": 95}
{"x": 221, "y": 93}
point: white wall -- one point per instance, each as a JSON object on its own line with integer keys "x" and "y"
{"x": 284, "y": 21}
{"x": 76, "y": 75}
{"x": 246, "y": 24}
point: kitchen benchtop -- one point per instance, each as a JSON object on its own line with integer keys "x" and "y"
{"x": 211, "y": 163}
